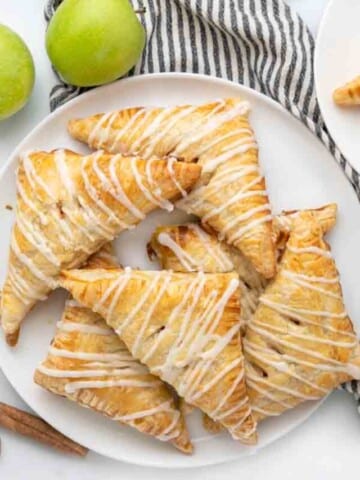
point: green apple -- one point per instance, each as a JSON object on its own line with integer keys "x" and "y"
{"x": 91, "y": 42}
{"x": 17, "y": 72}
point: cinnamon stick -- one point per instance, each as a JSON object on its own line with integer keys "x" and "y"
{"x": 34, "y": 427}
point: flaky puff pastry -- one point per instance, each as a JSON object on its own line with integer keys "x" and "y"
{"x": 184, "y": 327}
{"x": 89, "y": 364}
{"x": 300, "y": 343}
{"x": 348, "y": 94}
{"x": 68, "y": 206}
{"x": 188, "y": 248}
{"x": 231, "y": 196}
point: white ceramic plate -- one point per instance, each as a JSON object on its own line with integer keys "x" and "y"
{"x": 300, "y": 173}
{"x": 337, "y": 61}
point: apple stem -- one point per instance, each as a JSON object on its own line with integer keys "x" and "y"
{"x": 141, "y": 10}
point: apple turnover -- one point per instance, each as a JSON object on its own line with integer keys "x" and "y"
{"x": 89, "y": 364}
{"x": 184, "y": 327}
{"x": 348, "y": 94}
{"x": 68, "y": 206}
{"x": 231, "y": 196}
{"x": 189, "y": 248}
{"x": 300, "y": 343}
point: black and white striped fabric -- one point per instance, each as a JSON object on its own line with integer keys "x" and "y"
{"x": 263, "y": 44}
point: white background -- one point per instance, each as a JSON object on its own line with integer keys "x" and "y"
{"x": 325, "y": 447}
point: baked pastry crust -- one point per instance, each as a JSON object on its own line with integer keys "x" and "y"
{"x": 89, "y": 364}
{"x": 231, "y": 196}
{"x": 68, "y": 206}
{"x": 300, "y": 343}
{"x": 348, "y": 94}
{"x": 189, "y": 248}
{"x": 184, "y": 327}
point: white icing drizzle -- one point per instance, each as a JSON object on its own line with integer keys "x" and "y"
{"x": 167, "y": 435}
{"x": 184, "y": 258}
{"x": 150, "y": 312}
{"x": 170, "y": 167}
{"x": 96, "y": 135}
{"x": 220, "y": 138}
{"x": 84, "y": 373}
{"x": 119, "y": 193}
{"x": 109, "y": 370}
{"x": 311, "y": 250}
{"x": 121, "y": 356}
{"x": 60, "y": 161}
{"x": 24, "y": 259}
{"x": 240, "y": 147}
{"x": 92, "y": 219}
{"x": 145, "y": 191}
{"x": 285, "y": 338}
{"x": 162, "y": 132}
{"x": 126, "y": 128}
{"x": 118, "y": 287}
{"x": 196, "y": 340}
{"x": 142, "y": 300}
{"x": 32, "y": 234}
{"x": 83, "y": 328}
{"x": 215, "y": 251}
{"x": 225, "y": 398}
{"x": 73, "y": 386}
{"x": 258, "y": 351}
{"x": 289, "y": 309}
{"x": 73, "y": 303}
{"x": 93, "y": 194}
{"x": 191, "y": 264}
{"x": 163, "y": 203}
{"x": 152, "y": 128}
{"x": 213, "y": 123}
{"x": 247, "y": 228}
{"x": 33, "y": 177}
{"x": 299, "y": 280}
{"x": 221, "y": 180}
{"x": 27, "y": 290}
{"x": 163, "y": 407}
{"x": 30, "y": 204}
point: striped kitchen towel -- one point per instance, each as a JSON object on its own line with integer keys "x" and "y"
{"x": 263, "y": 44}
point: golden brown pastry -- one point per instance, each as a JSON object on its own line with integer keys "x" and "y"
{"x": 300, "y": 343}
{"x": 231, "y": 196}
{"x": 68, "y": 206}
{"x": 184, "y": 327}
{"x": 189, "y": 248}
{"x": 283, "y": 223}
{"x": 348, "y": 94}
{"x": 89, "y": 364}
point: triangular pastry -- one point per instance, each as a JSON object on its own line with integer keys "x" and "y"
{"x": 300, "y": 343}
{"x": 231, "y": 196}
{"x": 189, "y": 248}
{"x": 89, "y": 364}
{"x": 68, "y": 206}
{"x": 184, "y": 327}
{"x": 348, "y": 94}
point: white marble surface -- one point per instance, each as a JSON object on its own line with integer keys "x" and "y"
{"x": 327, "y": 446}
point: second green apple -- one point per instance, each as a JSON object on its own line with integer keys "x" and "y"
{"x": 92, "y": 42}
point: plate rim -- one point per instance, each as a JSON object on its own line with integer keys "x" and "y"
{"x": 321, "y": 100}
{"x": 94, "y": 92}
